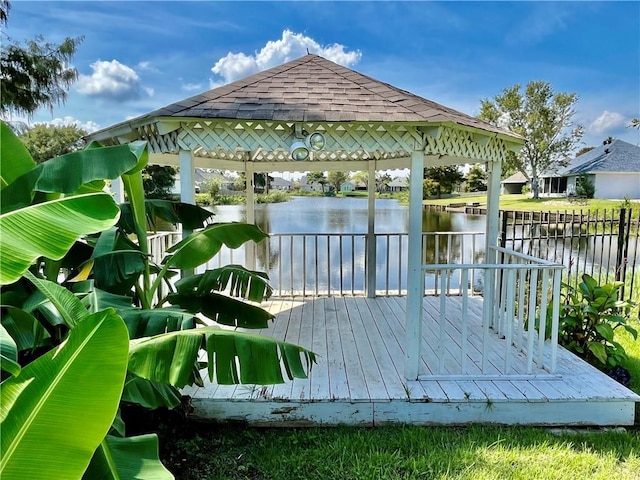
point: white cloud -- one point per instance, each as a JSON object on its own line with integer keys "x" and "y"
{"x": 88, "y": 126}
{"x": 148, "y": 66}
{"x": 607, "y": 122}
{"x": 192, "y": 87}
{"x": 292, "y": 45}
{"x": 112, "y": 81}
{"x": 544, "y": 20}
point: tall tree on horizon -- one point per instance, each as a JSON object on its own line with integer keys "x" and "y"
{"x": 317, "y": 177}
{"x": 439, "y": 180}
{"x": 44, "y": 141}
{"x": 35, "y": 75}
{"x": 544, "y": 118}
{"x": 336, "y": 179}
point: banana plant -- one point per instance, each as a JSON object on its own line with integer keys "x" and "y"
{"x": 42, "y": 318}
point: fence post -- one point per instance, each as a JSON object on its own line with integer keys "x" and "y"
{"x": 503, "y": 230}
{"x": 620, "y": 258}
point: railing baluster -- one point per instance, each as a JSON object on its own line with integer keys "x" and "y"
{"x": 291, "y": 263}
{"x": 280, "y": 264}
{"x": 557, "y": 279}
{"x": 449, "y": 237}
{"x": 522, "y": 280}
{"x": 316, "y": 255}
{"x": 353, "y": 263}
{"x": 400, "y": 237}
{"x": 304, "y": 265}
{"x": 465, "y": 318}
{"x": 531, "y": 318}
{"x": 510, "y": 287}
{"x": 542, "y": 324}
{"x": 387, "y": 253}
{"x": 341, "y": 271}
{"x": 437, "y": 260}
{"x": 443, "y": 323}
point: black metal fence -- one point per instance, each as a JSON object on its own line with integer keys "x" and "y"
{"x": 604, "y": 244}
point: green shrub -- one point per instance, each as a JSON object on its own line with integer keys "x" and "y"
{"x": 203, "y": 199}
{"x": 585, "y": 186}
{"x": 588, "y": 319}
{"x": 274, "y": 196}
{"x": 228, "y": 200}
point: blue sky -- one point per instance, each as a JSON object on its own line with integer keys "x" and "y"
{"x": 139, "y": 56}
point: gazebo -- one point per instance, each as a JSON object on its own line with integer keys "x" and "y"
{"x": 257, "y": 124}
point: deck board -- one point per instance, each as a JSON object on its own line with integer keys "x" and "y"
{"x": 359, "y": 375}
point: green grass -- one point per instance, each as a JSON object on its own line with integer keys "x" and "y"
{"x": 478, "y": 453}
{"x": 522, "y": 202}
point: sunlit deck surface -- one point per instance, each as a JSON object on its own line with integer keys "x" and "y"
{"x": 359, "y": 375}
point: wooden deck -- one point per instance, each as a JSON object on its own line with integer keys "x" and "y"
{"x": 359, "y": 377}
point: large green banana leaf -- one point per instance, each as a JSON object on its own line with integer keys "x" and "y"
{"x": 233, "y": 357}
{"x": 8, "y": 353}
{"x": 24, "y": 328}
{"x": 83, "y": 171}
{"x": 190, "y": 216}
{"x": 15, "y": 160}
{"x": 118, "y": 262}
{"x": 133, "y": 186}
{"x": 56, "y": 412}
{"x": 248, "y": 284}
{"x": 66, "y": 303}
{"x": 200, "y": 247}
{"x": 53, "y": 228}
{"x": 127, "y": 458}
{"x": 139, "y": 322}
{"x": 222, "y": 309}
{"x": 150, "y": 394}
{"x": 155, "y": 321}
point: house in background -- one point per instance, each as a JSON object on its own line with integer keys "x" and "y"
{"x": 613, "y": 167}
{"x": 279, "y": 183}
{"x": 398, "y": 184}
{"x": 307, "y": 186}
{"x": 348, "y": 186}
{"x": 513, "y": 184}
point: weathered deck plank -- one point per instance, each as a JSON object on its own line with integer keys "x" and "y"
{"x": 359, "y": 378}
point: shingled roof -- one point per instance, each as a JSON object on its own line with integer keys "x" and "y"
{"x": 314, "y": 89}
{"x": 614, "y": 157}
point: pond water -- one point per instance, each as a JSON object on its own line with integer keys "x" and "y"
{"x": 344, "y": 215}
{"x": 291, "y": 261}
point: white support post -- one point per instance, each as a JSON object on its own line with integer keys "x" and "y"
{"x": 117, "y": 190}
{"x": 415, "y": 277}
{"x": 371, "y": 231}
{"x": 493, "y": 210}
{"x": 187, "y": 185}
{"x": 187, "y": 191}
{"x": 250, "y": 247}
{"x": 494, "y": 170}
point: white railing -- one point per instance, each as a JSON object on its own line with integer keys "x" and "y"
{"x": 517, "y": 292}
{"x": 335, "y": 263}
{"x": 482, "y": 310}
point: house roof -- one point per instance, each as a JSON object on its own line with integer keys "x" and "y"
{"x": 280, "y": 182}
{"x": 313, "y": 89}
{"x": 517, "y": 177}
{"x": 617, "y": 156}
{"x": 202, "y": 175}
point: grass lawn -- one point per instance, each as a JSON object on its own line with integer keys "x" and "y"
{"x": 477, "y": 452}
{"x": 522, "y": 202}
